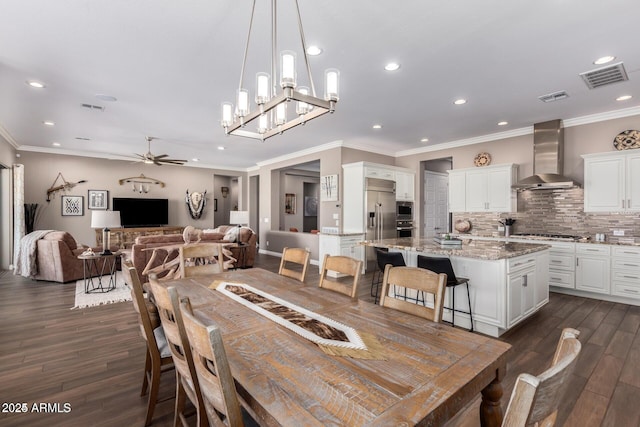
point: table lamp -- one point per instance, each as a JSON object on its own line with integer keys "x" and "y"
{"x": 104, "y": 220}
{"x": 239, "y": 218}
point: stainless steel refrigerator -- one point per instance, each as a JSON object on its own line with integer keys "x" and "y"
{"x": 380, "y": 213}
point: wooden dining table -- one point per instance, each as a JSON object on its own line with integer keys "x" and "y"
{"x": 430, "y": 372}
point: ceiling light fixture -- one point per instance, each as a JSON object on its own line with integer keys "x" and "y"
{"x": 55, "y": 144}
{"x": 377, "y": 126}
{"x": 221, "y": 148}
{"x": 108, "y": 98}
{"x": 460, "y": 101}
{"x": 604, "y": 60}
{"x": 36, "y": 84}
{"x": 624, "y": 98}
{"x": 195, "y": 159}
{"x": 271, "y": 113}
{"x": 314, "y": 50}
{"x": 503, "y": 123}
{"x": 392, "y": 66}
{"x": 424, "y": 140}
{"x": 48, "y": 123}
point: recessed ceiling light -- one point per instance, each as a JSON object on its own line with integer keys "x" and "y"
{"x": 604, "y": 60}
{"x": 314, "y": 50}
{"x": 195, "y": 159}
{"x": 377, "y": 126}
{"x": 460, "y": 101}
{"x": 48, "y": 123}
{"x": 392, "y": 66}
{"x": 36, "y": 84}
{"x": 624, "y": 98}
{"x": 221, "y": 148}
{"x": 503, "y": 123}
{"x": 424, "y": 140}
{"x": 108, "y": 98}
{"x": 56, "y": 144}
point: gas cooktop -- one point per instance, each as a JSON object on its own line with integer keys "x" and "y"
{"x": 547, "y": 236}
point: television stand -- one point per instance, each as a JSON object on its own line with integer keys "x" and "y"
{"x": 125, "y": 237}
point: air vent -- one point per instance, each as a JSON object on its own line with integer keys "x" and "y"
{"x": 555, "y": 96}
{"x": 93, "y": 107}
{"x": 605, "y": 76}
{"x": 79, "y": 138}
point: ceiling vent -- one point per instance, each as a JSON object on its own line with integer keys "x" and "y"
{"x": 605, "y": 76}
{"x": 555, "y": 96}
{"x": 93, "y": 107}
{"x": 80, "y": 138}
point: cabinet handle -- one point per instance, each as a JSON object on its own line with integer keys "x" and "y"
{"x": 524, "y": 281}
{"x": 559, "y": 279}
{"x": 557, "y": 261}
{"x": 635, "y": 291}
{"x": 631, "y": 277}
{"x": 628, "y": 203}
{"x": 577, "y": 262}
{"x": 623, "y": 204}
{"x": 630, "y": 265}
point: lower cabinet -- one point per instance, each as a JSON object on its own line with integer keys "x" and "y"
{"x": 625, "y": 272}
{"x": 521, "y": 289}
{"x": 341, "y": 244}
{"x": 593, "y": 270}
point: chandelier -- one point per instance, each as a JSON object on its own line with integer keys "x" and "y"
{"x": 273, "y": 112}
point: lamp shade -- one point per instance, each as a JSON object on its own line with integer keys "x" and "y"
{"x": 105, "y": 219}
{"x": 239, "y": 217}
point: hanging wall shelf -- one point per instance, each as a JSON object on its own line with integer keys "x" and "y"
{"x": 142, "y": 182}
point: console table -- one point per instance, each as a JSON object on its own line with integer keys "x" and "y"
{"x": 126, "y": 237}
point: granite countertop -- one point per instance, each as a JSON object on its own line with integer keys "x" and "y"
{"x": 632, "y": 241}
{"x": 478, "y": 249}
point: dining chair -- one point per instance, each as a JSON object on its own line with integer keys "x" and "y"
{"x": 186, "y": 378}
{"x": 158, "y": 356}
{"x": 419, "y": 280}
{"x": 443, "y": 265}
{"x": 297, "y": 256}
{"x": 201, "y": 259}
{"x": 221, "y": 399}
{"x": 384, "y": 257}
{"x": 535, "y": 399}
{"x": 345, "y": 266}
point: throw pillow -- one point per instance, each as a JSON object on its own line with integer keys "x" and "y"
{"x": 232, "y": 234}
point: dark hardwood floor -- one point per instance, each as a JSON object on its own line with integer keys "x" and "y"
{"x": 92, "y": 359}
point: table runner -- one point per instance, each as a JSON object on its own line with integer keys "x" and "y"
{"x": 332, "y": 337}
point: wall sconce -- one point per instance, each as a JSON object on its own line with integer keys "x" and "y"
{"x": 225, "y": 191}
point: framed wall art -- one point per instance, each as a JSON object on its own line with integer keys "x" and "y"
{"x": 72, "y": 205}
{"x": 329, "y": 188}
{"x": 98, "y": 199}
{"x": 290, "y": 203}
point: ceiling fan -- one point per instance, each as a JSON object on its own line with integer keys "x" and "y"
{"x": 159, "y": 160}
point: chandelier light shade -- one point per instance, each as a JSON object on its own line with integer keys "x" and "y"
{"x": 272, "y": 93}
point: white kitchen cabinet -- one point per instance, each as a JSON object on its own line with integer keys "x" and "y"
{"x": 486, "y": 189}
{"x": 612, "y": 182}
{"x": 521, "y": 288}
{"x": 405, "y": 186}
{"x": 562, "y": 264}
{"x": 457, "y": 191}
{"x": 341, "y": 244}
{"x": 625, "y": 271}
{"x": 593, "y": 268}
{"x": 379, "y": 172}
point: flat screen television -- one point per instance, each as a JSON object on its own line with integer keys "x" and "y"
{"x": 142, "y": 212}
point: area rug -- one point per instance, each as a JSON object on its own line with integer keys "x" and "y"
{"x": 120, "y": 294}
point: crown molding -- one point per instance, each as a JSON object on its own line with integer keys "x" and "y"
{"x": 7, "y": 136}
{"x": 577, "y": 121}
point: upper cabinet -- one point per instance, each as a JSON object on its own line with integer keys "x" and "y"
{"x": 612, "y": 181}
{"x": 485, "y": 189}
{"x": 405, "y": 186}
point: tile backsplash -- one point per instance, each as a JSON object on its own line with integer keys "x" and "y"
{"x": 558, "y": 211}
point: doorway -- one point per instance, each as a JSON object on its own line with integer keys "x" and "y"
{"x": 436, "y": 216}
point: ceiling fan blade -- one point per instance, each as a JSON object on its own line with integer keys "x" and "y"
{"x": 161, "y": 156}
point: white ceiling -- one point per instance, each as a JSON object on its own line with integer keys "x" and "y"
{"x": 171, "y": 63}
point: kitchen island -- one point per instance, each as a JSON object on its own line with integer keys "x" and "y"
{"x": 508, "y": 281}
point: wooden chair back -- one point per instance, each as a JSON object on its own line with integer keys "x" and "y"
{"x": 187, "y": 380}
{"x": 201, "y": 259}
{"x": 345, "y": 266}
{"x": 297, "y": 256}
{"x": 420, "y": 280}
{"x": 534, "y": 400}
{"x": 212, "y": 367}
{"x": 158, "y": 357}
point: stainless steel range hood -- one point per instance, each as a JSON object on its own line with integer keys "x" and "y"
{"x": 548, "y": 159}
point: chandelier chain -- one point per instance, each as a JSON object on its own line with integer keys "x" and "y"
{"x": 246, "y": 47}
{"x": 304, "y": 50}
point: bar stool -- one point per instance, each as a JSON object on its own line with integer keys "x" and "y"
{"x": 384, "y": 257}
{"x": 443, "y": 265}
